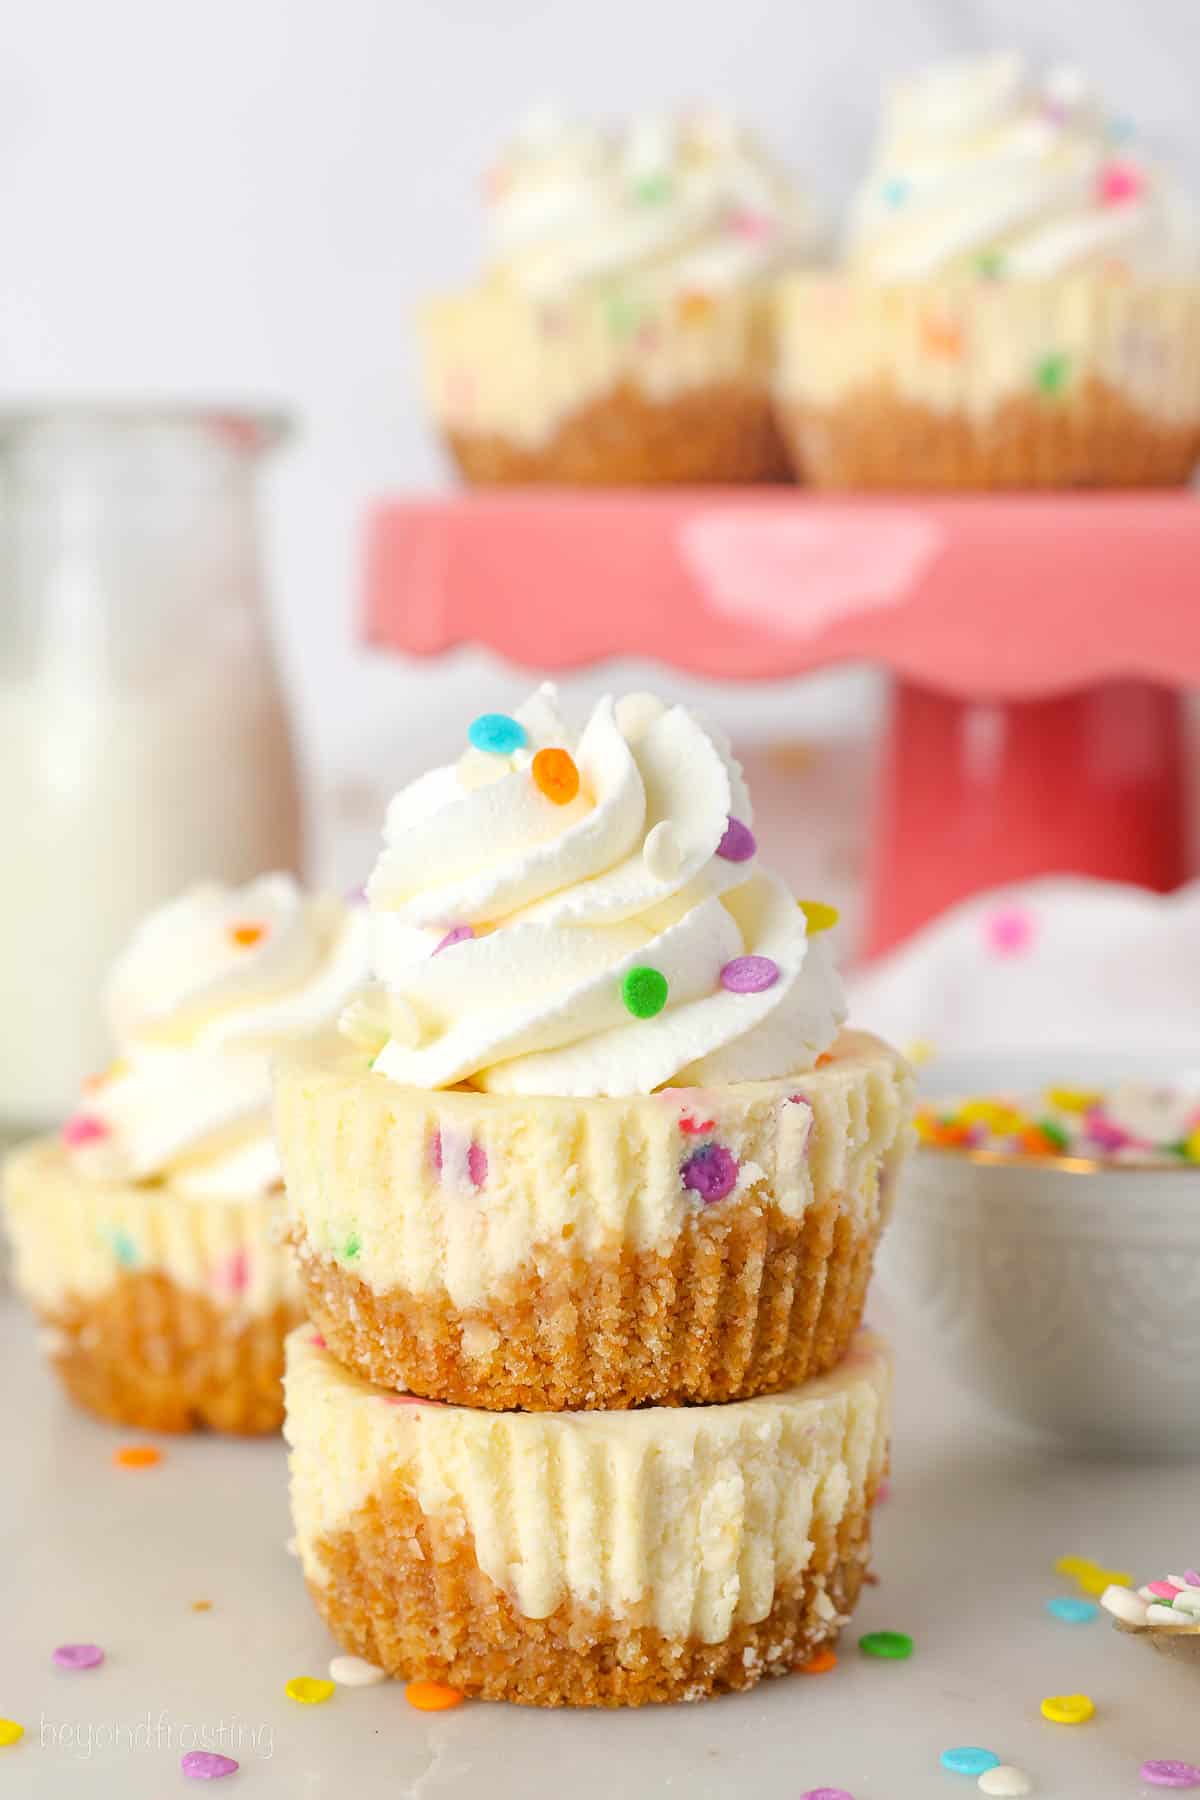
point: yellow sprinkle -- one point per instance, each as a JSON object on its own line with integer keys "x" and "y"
{"x": 308, "y": 1690}
{"x": 818, "y": 915}
{"x": 1096, "y": 1580}
{"x": 1076, "y": 1100}
{"x": 1068, "y": 1709}
{"x": 920, "y": 1051}
{"x": 1191, "y": 1145}
{"x": 10, "y": 1732}
{"x": 1005, "y": 1121}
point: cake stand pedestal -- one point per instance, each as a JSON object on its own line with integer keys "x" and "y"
{"x": 1038, "y": 646}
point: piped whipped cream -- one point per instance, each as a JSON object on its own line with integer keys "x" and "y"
{"x": 982, "y": 167}
{"x": 210, "y": 987}
{"x": 532, "y": 937}
{"x": 691, "y": 199}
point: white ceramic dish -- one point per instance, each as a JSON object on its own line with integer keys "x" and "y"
{"x": 1064, "y": 1294}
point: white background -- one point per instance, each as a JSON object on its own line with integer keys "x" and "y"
{"x": 243, "y": 198}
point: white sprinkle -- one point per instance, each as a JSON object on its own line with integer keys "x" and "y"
{"x": 1125, "y": 1605}
{"x": 660, "y": 852}
{"x": 1004, "y": 1779}
{"x": 1188, "y": 1600}
{"x": 355, "y": 1671}
{"x": 1166, "y": 1615}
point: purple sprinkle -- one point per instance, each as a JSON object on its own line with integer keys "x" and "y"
{"x": 749, "y": 974}
{"x": 738, "y": 843}
{"x": 1105, "y": 1133}
{"x": 78, "y": 1656}
{"x": 1192, "y": 1577}
{"x": 711, "y": 1172}
{"x": 356, "y": 896}
{"x": 458, "y": 934}
{"x": 1171, "y": 1774}
{"x": 477, "y": 1165}
{"x": 826, "y": 1794}
{"x": 206, "y": 1765}
{"x": 435, "y": 1151}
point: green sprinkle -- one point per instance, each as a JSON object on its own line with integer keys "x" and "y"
{"x": 652, "y": 190}
{"x": 123, "y": 1247}
{"x": 893, "y": 1646}
{"x": 644, "y": 992}
{"x": 353, "y": 1246}
{"x": 624, "y": 316}
{"x": 990, "y": 263}
{"x": 1055, "y": 1133}
{"x": 1053, "y": 373}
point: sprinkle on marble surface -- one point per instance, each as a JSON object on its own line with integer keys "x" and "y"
{"x": 77, "y": 1656}
{"x": 137, "y": 1456}
{"x": 355, "y": 1671}
{"x": 207, "y": 1765}
{"x": 826, "y": 1793}
{"x": 889, "y": 1646}
{"x": 308, "y": 1690}
{"x": 821, "y": 1662}
{"x": 10, "y": 1733}
{"x": 1169, "y": 1774}
{"x": 969, "y": 1759}
{"x": 1068, "y": 1709}
{"x": 201, "y": 1605}
{"x": 1005, "y": 1780}
{"x": 432, "y": 1696}
{"x": 1072, "y": 1611}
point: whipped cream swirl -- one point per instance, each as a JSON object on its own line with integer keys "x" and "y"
{"x": 692, "y": 201}
{"x": 515, "y": 932}
{"x": 208, "y": 990}
{"x": 981, "y": 168}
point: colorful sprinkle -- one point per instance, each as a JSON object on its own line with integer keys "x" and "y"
{"x": 355, "y": 1671}
{"x": 1073, "y": 1100}
{"x": 738, "y": 843}
{"x": 969, "y": 1759}
{"x": 892, "y": 1646}
{"x": 692, "y": 1127}
{"x": 1120, "y": 182}
{"x": 942, "y": 337}
{"x": 458, "y": 934}
{"x": 644, "y": 992}
{"x": 919, "y": 1052}
{"x": 711, "y": 1172}
{"x": 826, "y": 1794}
{"x": 1009, "y": 931}
{"x": 990, "y": 264}
{"x": 623, "y": 315}
{"x": 555, "y": 774}
{"x": 695, "y": 308}
{"x": 818, "y": 915}
{"x": 201, "y": 1605}
{"x": 1068, "y": 1709}
{"x": 233, "y": 1276}
{"x": 77, "y": 1656}
{"x": 894, "y": 192}
{"x": 1162, "y": 1590}
{"x": 652, "y": 190}
{"x": 308, "y": 1690}
{"x": 497, "y": 733}
{"x": 1170, "y": 1774}
{"x": 83, "y": 1128}
{"x": 123, "y": 1247}
{"x": 1005, "y": 1780}
{"x": 1072, "y": 1612}
{"x": 137, "y": 1456}
{"x": 1052, "y": 373}
{"x": 749, "y": 975}
{"x": 246, "y": 936}
{"x": 352, "y": 1248}
{"x": 1091, "y": 1576}
{"x": 207, "y": 1765}
{"x": 746, "y": 223}
{"x": 10, "y": 1733}
{"x": 477, "y": 1165}
{"x": 823, "y": 1662}
{"x": 432, "y": 1696}
{"x": 317, "y": 1341}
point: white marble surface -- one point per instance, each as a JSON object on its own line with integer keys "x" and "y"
{"x": 966, "y": 1548}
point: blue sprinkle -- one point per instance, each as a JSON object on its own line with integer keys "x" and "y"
{"x": 123, "y": 1247}
{"x": 498, "y": 733}
{"x": 1072, "y": 1612}
{"x": 969, "y": 1759}
{"x": 896, "y": 191}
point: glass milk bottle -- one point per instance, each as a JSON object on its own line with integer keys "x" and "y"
{"x": 144, "y": 743}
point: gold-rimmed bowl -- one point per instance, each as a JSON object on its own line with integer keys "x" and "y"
{"x": 1062, "y": 1291}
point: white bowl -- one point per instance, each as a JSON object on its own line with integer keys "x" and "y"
{"x": 1066, "y": 1295}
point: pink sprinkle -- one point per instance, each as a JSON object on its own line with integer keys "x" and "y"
{"x": 435, "y": 1151}
{"x": 826, "y": 1794}
{"x": 750, "y": 224}
{"x": 738, "y": 842}
{"x": 410, "y": 1400}
{"x": 457, "y": 935}
{"x": 696, "y": 1128}
{"x": 883, "y": 1491}
{"x": 83, "y": 1128}
{"x": 317, "y": 1341}
{"x": 1171, "y": 1774}
{"x": 1165, "y": 1590}
{"x": 477, "y": 1165}
{"x": 1105, "y": 1133}
{"x": 749, "y": 975}
{"x": 356, "y": 896}
{"x": 207, "y": 1765}
{"x": 78, "y": 1656}
{"x": 1120, "y": 182}
{"x": 236, "y": 1274}
{"x": 1009, "y": 931}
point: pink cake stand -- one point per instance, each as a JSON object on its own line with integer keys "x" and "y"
{"x": 1038, "y": 646}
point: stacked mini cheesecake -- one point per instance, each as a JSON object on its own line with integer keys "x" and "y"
{"x": 585, "y": 1200}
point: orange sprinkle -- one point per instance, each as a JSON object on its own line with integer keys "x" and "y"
{"x": 942, "y": 336}
{"x": 432, "y": 1696}
{"x": 137, "y": 1456}
{"x": 201, "y": 1605}
{"x": 1037, "y": 1143}
{"x": 823, "y": 1061}
{"x": 823, "y": 1663}
{"x": 246, "y": 936}
{"x": 695, "y": 308}
{"x": 555, "y": 773}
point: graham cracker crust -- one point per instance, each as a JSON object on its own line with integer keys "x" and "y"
{"x": 1091, "y": 438}
{"x": 722, "y": 432}
{"x": 149, "y": 1353}
{"x": 406, "y": 1592}
{"x": 749, "y": 1302}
